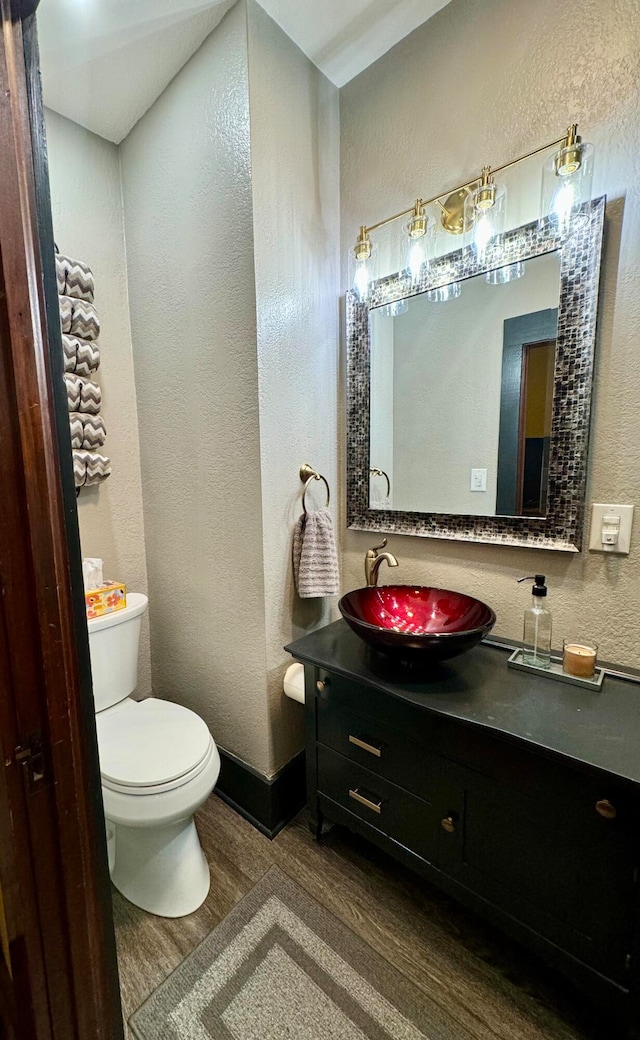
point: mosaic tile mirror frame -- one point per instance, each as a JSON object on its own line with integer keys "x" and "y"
{"x": 561, "y": 528}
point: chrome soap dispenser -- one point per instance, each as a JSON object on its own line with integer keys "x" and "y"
{"x": 537, "y": 626}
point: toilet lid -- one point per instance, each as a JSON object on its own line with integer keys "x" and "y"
{"x": 153, "y": 744}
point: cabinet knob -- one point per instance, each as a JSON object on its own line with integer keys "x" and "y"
{"x": 606, "y": 809}
{"x": 321, "y": 685}
{"x": 448, "y": 824}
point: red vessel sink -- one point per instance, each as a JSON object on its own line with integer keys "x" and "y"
{"x": 410, "y": 620}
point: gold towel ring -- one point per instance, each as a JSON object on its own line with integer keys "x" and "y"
{"x": 307, "y": 474}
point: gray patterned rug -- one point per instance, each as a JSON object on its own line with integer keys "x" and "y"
{"x": 280, "y": 967}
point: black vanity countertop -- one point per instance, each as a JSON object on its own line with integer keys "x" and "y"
{"x": 598, "y": 729}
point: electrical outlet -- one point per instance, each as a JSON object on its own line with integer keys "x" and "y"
{"x": 610, "y": 528}
{"x": 478, "y": 480}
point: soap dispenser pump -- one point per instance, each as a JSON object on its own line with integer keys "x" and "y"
{"x": 537, "y": 626}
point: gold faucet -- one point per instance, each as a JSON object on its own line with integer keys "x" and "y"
{"x": 372, "y": 560}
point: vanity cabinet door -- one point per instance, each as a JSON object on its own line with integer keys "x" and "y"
{"x": 554, "y": 863}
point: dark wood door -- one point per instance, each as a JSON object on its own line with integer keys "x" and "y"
{"x": 58, "y": 976}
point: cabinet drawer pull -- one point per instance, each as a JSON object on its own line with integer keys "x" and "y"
{"x": 606, "y": 809}
{"x": 357, "y": 797}
{"x": 321, "y": 685}
{"x": 448, "y": 824}
{"x": 371, "y": 748}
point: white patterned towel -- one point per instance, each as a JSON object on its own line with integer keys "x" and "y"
{"x": 87, "y": 431}
{"x": 82, "y": 394}
{"x": 79, "y": 318}
{"x": 315, "y": 559}
{"x": 81, "y": 356}
{"x": 74, "y": 278}
{"x": 90, "y": 468}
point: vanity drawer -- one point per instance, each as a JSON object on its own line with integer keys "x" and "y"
{"x": 430, "y": 826}
{"x": 378, "y": 748}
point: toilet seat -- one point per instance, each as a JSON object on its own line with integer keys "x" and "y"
{"x": 151, "y": 747}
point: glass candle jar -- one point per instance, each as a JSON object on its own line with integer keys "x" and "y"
{"x": 579, "y": 659}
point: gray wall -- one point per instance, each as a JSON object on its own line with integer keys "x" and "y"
{"x": 86, "y": 201}
{"x": 515, "y": 89}
{"x": 230, "y": 186}
{"x": 295, "y": 143}
{"x": 186, "y": 170}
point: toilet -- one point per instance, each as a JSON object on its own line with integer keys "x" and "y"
{"x": 158, "y": 765}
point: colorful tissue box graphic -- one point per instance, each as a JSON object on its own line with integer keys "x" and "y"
{"x": 110, "y": 596}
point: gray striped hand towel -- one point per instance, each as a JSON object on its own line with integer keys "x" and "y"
{"x": 315, "y": 559}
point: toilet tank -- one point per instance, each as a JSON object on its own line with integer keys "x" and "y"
{"x": 113, "y": 644}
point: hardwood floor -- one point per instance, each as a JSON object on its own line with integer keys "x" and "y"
{"x": 488, "y": 984}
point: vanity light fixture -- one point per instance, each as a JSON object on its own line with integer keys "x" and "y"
{"x": 508, "y": 273}
{"x": 566, "y": 180}
{"x": 362, "y": 265}
{"x": 417, "y": 236}
{"x": 392, "y": 310}
{"x": 442, "y": 293}
{"x": 477, "y": 208}
{"x": 484, "y": 211}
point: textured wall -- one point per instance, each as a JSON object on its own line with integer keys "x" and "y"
{"x": 411, "y": 125}
{"x": 188, "y": 215}
{"x": 88, "y": 224}
{"x": 295, "y": 174}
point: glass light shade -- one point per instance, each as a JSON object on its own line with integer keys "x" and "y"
{"x": 508, "y": 273}
{"x": 442, "y": 293}
{"x": 565, "y": 186}
{"x": 417, "y": 247}
{"x": 484, "y": 216}
{"x": 392, "y": 310}
{"x": 363, "y": 272}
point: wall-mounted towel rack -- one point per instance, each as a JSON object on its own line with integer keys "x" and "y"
{"x": 307, "y": 474}
{"x": 376, "y": 472}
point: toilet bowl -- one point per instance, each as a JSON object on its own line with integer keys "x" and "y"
{"x": 158, "y": 764}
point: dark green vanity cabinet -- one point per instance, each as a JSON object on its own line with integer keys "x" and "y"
{"x": 519, "y": 796}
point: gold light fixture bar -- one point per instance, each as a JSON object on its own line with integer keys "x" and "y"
{"x": 568, "y": 140}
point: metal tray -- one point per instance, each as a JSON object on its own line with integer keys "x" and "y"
{"x": 554, "y": 671}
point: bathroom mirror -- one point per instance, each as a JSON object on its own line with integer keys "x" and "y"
{"x": 469, "y": 392}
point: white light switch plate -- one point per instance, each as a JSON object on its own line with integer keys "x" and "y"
{"x": 478, "y": 480}
{"x": 598, "y": 511}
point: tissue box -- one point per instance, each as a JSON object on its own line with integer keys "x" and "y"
{"x": 109, "y": 597}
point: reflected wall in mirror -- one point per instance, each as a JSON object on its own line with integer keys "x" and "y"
{"x": 469, "y": 418}
{"x": 461, "y": 396}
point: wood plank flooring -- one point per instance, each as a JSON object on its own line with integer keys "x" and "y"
{"x": 487, "y": 983}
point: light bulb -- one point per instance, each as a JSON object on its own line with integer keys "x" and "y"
{"x": 416, "y": 243}
{"x": 484, "y": 216}
{"x": 483, "y": 232}
{"x": 565, "y": 197}
{"x": 363, "y": 265}
{"x": 566, "y": 184}
{"x": 361, "y": 280}
{"x": 416, "y": 258}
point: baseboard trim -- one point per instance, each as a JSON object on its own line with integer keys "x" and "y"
{"x": 267, "y": 803}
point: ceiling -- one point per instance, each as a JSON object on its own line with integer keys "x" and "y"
{"x": 104, "y": 62}
{"x": 343, "y": 37}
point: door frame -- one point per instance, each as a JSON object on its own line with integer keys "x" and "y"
{"x": 53, "y": 858}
